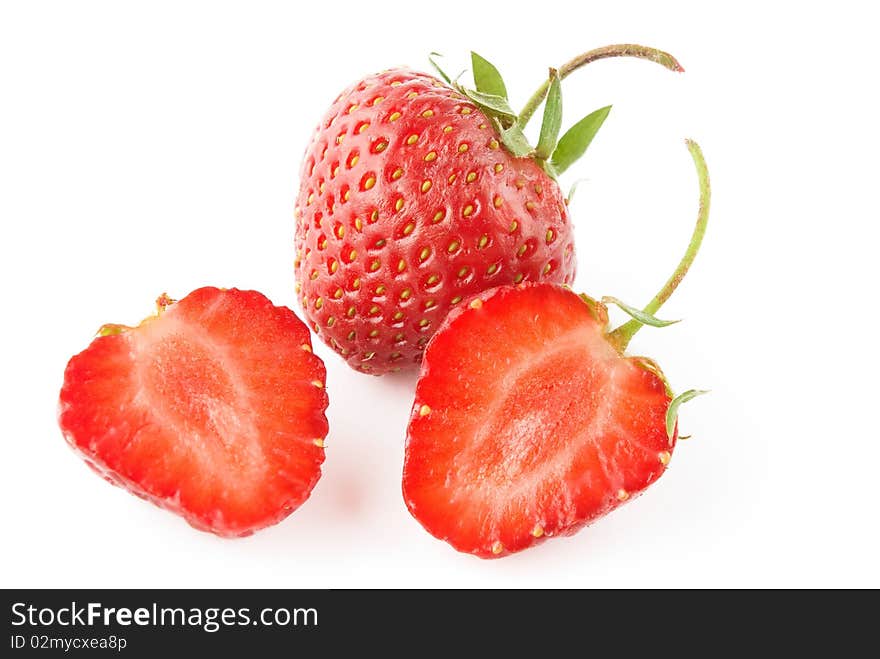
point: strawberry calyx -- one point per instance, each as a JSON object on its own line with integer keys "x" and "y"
{"x": 111, "y": 329}
{"x": 552, "y": 153}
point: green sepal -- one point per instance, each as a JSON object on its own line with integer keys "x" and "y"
{"x": 515, "y": 141}
{"x": 486, "y": 77}
{"x": 552, "y": 122}
{"x": 496, "y": 106}
{"x": 576, "y": 139}
{"x": 672, "y": 412}
{"x": 437, "y": 68}
{"x": 637, "y": 314}
{"x": 598, "y": 310}
{"x": 112, "y": 329}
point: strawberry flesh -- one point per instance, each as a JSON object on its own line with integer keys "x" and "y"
{"x": 528, "y": 423}
{"x": 211, "y": 410}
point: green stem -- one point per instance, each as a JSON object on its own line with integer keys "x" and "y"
{"x": 618, "y": 50}
{"x": 624, "y": 334}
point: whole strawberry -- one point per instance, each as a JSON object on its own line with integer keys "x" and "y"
{"x": 416, "y": 193}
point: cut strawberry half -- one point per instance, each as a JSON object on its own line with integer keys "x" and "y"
{"x": 212, "y": 409}
{"x": 529, "y": 421}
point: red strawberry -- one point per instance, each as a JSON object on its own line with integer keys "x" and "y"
{"x": 415, "y": 194}
{"x": 213, "y": 409}
{"x": 530, "y": 422}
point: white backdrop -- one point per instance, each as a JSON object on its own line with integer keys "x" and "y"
{"x": 150, "y": 147}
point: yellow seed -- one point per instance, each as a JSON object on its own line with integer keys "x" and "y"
{"x": 340, "y": 138}
{"x": 424, "y": 410}
{"x": 412, "y": 139}
{"x": 398, "y": 316}
{"x": 380, "y": 146}
{"x": 468, "y": 210}
{"x": 374, "y": 310}
{"x": 353, "y": 161}
{"x": 622, "y": 494}
{"x": 519, "y": 183}
{"x": 373, "y": 333}
{"x": 518, "y": 278}
{"x": 310, "y": 199}
{"x": 466, "y": 110}
{"x": 409, "y": 228}
{"x": 431, "y": 156}
{"x": 451, "y": 179}
{"x": 491, "y": 269}
{"x": 482, "y": 126}
{"x": 425, "y": 253}
{"x": 394, "y": 116}
{"x": 513, "y": 225}
{"x": 374, "y": 265}
{"x": 396, "y": 174}
{"x": 428, "y": 113}
{"x": 346, "y": 195}
{"x": 399, "y": 337}
{"x": 493, "y": 144}
{"x": 550, "y": 235}
{"x": 363, "y": 127}
{"x": 471, "y": 177}
{"x": 331, "y": 321}
{"x": 463, "y": 147}
{"x": 664, "y": 457}
{"x": 352, "y": 108}
{"x": 498, "y": 201}
{"x": 356, "y": 284}
{"x": 538, "y": 188}
{"x": 379, "y": 244}
{"x": 430, "y": 304}
{"x": 476, "y": 303}
{"x": 484, "y": 240}
{"x": 374, "y": 216}
{"x": 447, "y": 129}
{"x": 352, "y": 333}
{"x": 499, "y": 168}
{"x": 412, "y": 94}
{"x": 433, "y": 279}
{"x": 350, "y": 313}
{"x": 378, "y": 100}
{"x": 426, "y": 185}
{"x": 313, "y": 275}
{"x": 530, "y": 205}
{"x": 319, "y": 303}
{"x": 438, "y": 216}
{"x": 352, "y": 255}
{"x": 340, "y": 231}
{"x": 424, "y": 322}
{"x": 334, "y": 172}
{"x": 318, "y": 384}
{"x": 380, "y": 289}
{"x": 318, "y": 442}
{"x": 497, "y": 547}
{"x": 358, "y": 224}
{"x": 398, "y": 204}
{"x": 337, "y": 293}
{"x": 463, "y": 272}
{"x": 547, "y": 268}
{"x": 522, "y": 250}
{"x": 455, "y": 300}
{"x": 453, "y": 246}
{"x": 306, "y": 347}
{"x": 370, "y": 182}
{"x": 538, "y": 531}
{"x": 405, "y": 293}
{"x": 401, "y": 265}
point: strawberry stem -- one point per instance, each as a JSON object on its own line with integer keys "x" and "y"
{"x": 624, "y": 334}
{"x": 617, "y": 50}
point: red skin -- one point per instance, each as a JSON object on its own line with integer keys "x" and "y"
{"x": 517, "y": 433}
{"x": 210, "y": 410}
{"x": 507, "y": 224}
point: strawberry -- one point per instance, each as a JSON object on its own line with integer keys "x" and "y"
{"x": 212, "y": 409}
{"x": 529, "y": 421}
{"x": 416, "y": 193}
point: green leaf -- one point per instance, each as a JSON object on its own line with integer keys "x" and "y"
{"x": 497, "y": 106}
{"x": 672, "y": 412}
{"x": 437, "y": 67}
{"x": 638, "y": 314}
{"x": 552, "y": 119}
{"x": 486, "y": 77}
{"x": 516, "y": 142}
{"x": 574, "y": 143}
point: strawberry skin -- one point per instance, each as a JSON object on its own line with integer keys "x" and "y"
{"x": 408, "y": 204}
{"x": 213, "y": 409}
{"x": 528, "y": 423}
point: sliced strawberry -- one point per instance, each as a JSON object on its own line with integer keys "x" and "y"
{"x": 213, "y": 409}
{"x": 529, "y": 423}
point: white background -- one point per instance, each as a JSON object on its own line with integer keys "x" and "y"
{"x": 150, "y": 147}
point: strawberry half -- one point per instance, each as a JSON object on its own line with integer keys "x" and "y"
{"x": 416, "y": 193}
{"x": 528, "y": 419}
{"x": 212, "y": 409}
